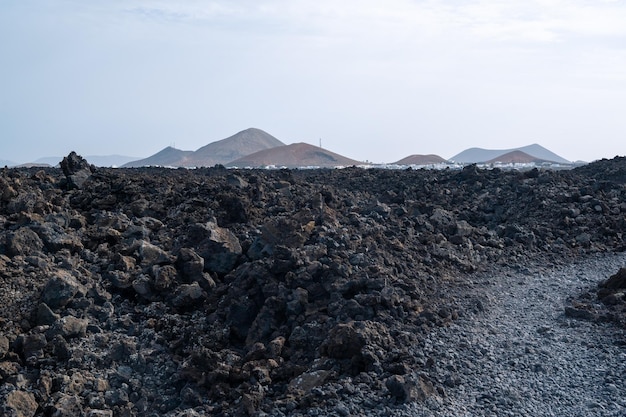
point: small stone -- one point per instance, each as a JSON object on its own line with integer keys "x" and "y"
{"x": 150, "y": 254}
{"x": 275, "y": 347}
{"x": 164, "y": 276}
{"x": 342, "y": 410}
{"x": 60, "y": 348}
{"x": 188, "y": 295}
{"x": 100, "y": 385}
{"x": 544, "y": 330}
{"x": 141, "y": 285}
{"x": 219, "y": 247}
{"x": 45, "y": 315}
{"x": 33, "y": 345}
{"x": 60, "y": 289}
{"x": 21, "y": 403}
{"x": 24, "y": 241}
{"x": 69, "y": 327}
{"x": 4, "y": 345}
{"x": 409, "y": 389}
{"x": 307, "y": 381}
{"x": 67, "y": 406}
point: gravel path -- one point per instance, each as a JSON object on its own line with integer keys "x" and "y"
{"x": 521, "y": 356}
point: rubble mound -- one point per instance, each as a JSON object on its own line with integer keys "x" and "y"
{"x": 148, "y": 292}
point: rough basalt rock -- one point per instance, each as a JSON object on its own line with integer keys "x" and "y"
{"x": 19, "y": 404}
{"x": 61, "y": 289}
{"x": 218, "y": 246}
{"x": 148, "y": 291}
{"x": 76, "y": 169}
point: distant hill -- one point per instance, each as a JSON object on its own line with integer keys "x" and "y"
{"x": 234, "y": 147}
{"x": 295, "y": 155}
{"x": 421, "y": 160}
{"x": 48, "y": 160}
{"x": 222, "y": 151}
{"x": 516, "y": 157}
{"x": 109, "y": 160}
{"x": 6, "y": 163}
{"x": 166, "y": 157}
{"x": 33, "y": 165}
{"x": 479, "y": 155}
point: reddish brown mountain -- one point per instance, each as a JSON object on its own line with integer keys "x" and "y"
{"x": 421, "y": 160}
{"x": 516, "y": 157}
{"x": 296, "y": 155}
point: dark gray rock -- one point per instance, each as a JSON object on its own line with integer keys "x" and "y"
{"x": 119, "y": 279}
{"x": 616, "y": 281}
{"x": 55, "y": 238}
{"x": 32, "y": 346}
{"x": 219, "y": 247}
{"x": 24, "y": 241}
{"x": 347, "y": 340}
{"x": 45, "y": 315}
{"x": 76, "y": 169}
{"x": 150, "y": 254}
{"x": 190, "y": 264}
{"x": 68, "y": 327}
{"x": 61, "y": 289}
{"x": 188, "y": 295}
{"x": 409, "y": 388}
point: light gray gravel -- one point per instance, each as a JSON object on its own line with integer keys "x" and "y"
{"x": 521, "y": 356}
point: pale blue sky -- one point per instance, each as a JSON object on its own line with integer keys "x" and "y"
{"x": 374, "y": 80}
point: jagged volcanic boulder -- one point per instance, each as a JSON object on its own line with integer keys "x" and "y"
{"x": 61, "y": 289}
{"x": 76, "y": 169}
{"x": 218, "y": 246}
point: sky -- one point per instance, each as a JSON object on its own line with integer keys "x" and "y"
{"x": 374, "y": 81}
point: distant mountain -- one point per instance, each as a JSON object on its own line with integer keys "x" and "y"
{"x": 6, "y": 163}
{"x": 109, "y": 160}
{"x": 296, "y": 155}
{"x": 234, "y": 147}
{"x": 516, "y": 157}
{"x": 421, "y": 160}
{"x": 165, "y": 157}
{"x": 479, "y": 155}
{"x": 34, "y": 165}
{"x": 222, "y": 151}
{"x": 48, "y": 160}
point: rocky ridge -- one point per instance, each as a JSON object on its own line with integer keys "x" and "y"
{"x": 224, "y": 292}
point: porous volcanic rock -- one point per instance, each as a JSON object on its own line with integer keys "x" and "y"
{"x": 145, "y": 292}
